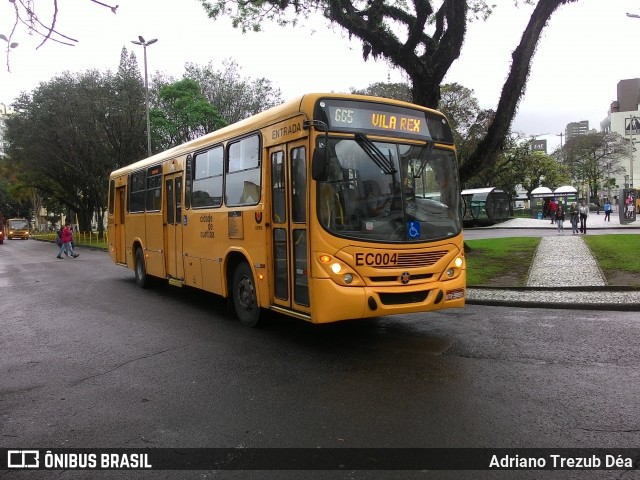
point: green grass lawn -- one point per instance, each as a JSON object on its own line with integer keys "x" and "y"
{"x": 500, "y": 262}
{"x": 618, "y": 257}
{"x": 505, "y": 262}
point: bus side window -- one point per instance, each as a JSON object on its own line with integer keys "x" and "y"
{"x": 207, "y": 184}
{"x": 137, "y": 191}
{"x": 278, "y": 205}
{"x": 299, "y": 180}
{"x": 243, "y": 182}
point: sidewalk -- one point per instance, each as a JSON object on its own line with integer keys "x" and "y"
{"x": 571, "y": 281}
{"x": 594, "y": 221}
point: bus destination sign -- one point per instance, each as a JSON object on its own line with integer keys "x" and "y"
{"x": 366, "y": 116}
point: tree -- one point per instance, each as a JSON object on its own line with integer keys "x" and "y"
{"x": 26, "y": 16}
{"x": 14, "y": 200}
{"x": 594, "y": 159}
{"x": 425, "y": 56}
{"x": 397, "y": 91}
{"x": 71, "y": 132}
{"x": 236, "y": 98}
{"x": 183, "y": 114}
{"x": 458, "y": 103}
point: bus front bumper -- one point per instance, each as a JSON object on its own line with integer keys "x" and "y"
{"x": 364, "y": 302}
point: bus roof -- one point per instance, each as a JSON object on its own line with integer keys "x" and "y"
{"x": 304, "y": 103}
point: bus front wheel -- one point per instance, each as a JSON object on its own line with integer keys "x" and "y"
{"x": 142, "y": 279}
{"x": 245, "y": 300}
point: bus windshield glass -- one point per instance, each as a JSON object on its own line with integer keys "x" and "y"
{"x": 383, "y": 191}
{"x": 19, "y": 224}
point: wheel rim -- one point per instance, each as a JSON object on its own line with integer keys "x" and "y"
{"x": 246, "y": 295}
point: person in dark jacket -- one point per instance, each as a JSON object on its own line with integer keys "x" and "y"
{"x": 560, "y": 219}
{"x": 573, "y": 216}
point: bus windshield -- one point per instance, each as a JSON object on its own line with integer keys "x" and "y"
{"x": 19, "y": 224}
{"x": 383, "y": 191}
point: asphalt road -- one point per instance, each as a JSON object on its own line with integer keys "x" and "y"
{"x": 89, "y": 360}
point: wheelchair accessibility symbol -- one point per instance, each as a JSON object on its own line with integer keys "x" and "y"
{"x": 413, "y": 229}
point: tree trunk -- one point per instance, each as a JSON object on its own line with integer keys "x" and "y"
{"x": 511, "y": 91}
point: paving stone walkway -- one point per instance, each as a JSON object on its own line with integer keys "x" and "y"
{"x": 564, "y": 261}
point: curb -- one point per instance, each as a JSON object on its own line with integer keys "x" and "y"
{"x": 613, "y": 307}
{"x": 626, "y": 299}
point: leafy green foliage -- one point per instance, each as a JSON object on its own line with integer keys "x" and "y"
{"x": 183, "y": 114}
{"x": 234, "y": 96}
{"x": 71, "y": 132}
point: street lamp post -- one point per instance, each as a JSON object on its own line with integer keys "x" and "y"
{"x": 632, "y": 121}
{"x": 145, "y": 44}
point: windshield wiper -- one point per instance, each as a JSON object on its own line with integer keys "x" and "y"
{"x": 385, "y": 164}
{"x": 424, "y": 157}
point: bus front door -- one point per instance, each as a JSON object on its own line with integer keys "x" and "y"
{"x": 118, "y": 224}
{"x": 290, "y": 287}
{"x": 173, "y": 226}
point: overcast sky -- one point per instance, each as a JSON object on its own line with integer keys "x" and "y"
{"x": 585, "y": 50}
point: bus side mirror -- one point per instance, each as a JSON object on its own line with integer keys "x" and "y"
{"x": 319, "y": 164}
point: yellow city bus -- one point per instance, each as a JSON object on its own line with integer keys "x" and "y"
{"x": 328, "y": 207}
{"x": 18, "y": 228}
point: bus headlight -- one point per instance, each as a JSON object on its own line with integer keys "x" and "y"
{"x": 340, "y": 272}
{"x": 453, "y": 270}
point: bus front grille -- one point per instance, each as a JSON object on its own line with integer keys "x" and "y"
{"x": 403, "y": 298}
{"x": 415, "y": 260}
{"x": 396, "y": 278}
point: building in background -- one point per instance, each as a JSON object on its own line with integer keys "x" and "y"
{"x": 624, "y": 118}
{"x": 5, "y": 111}
{"x": 574, "y": 129}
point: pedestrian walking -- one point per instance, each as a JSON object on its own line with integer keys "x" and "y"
{"x": 560, "y": 219}
{"x": 60, "y": 244}
{"x": 573, "y": 217}
{"x": 553, "y": 208}
{"x": 583, "y": 210}
{"x": 67, "y": 238}
{"x": 607, "y": 211}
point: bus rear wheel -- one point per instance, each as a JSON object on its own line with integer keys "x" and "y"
{"x": 245, "y": 300}
{"x": 142, "y": 279}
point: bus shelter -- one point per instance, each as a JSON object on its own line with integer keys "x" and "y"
{"x": 484, "y": 206}
{"x": 539, "y": 199}
{"x": 566, "y": 195}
